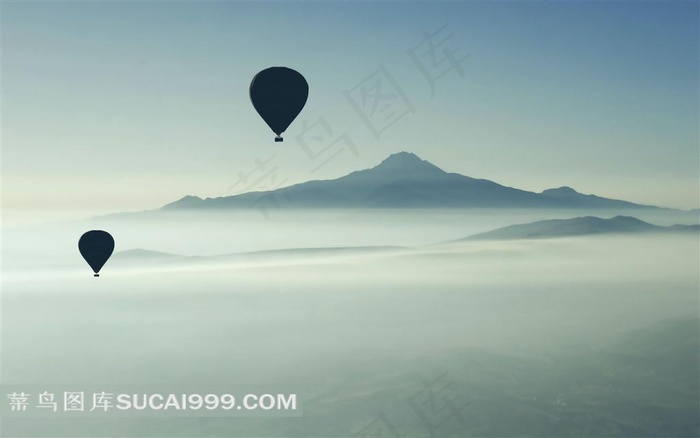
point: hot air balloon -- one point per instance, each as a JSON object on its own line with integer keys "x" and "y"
{"x": 278, "y": 95}
{"x": 96, "y": 247}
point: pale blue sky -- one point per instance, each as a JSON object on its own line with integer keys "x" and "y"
{"x": 122, "y": 106}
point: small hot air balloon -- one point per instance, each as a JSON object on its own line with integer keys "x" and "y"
{"x": 278, "y": 95}
{"x": 96, "y": 247}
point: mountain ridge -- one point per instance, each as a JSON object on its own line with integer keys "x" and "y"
{"x": 578, "y": 226}
{"x": 404, "y": 180}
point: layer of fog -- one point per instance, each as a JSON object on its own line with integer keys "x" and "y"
{"x": 322, "y": 321}
{"x": 213, "y": 233}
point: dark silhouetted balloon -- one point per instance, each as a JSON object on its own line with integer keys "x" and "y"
{"x": 278, "y": 95}
{"x": 96, "y": 246}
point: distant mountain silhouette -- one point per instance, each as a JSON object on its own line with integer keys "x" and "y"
{"x": 144, "y": 257}
{"x": 580, "y": 226}
{"x": 403, "y": 180}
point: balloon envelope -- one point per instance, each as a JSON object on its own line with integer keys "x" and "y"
{"x": 96, "y": 247}
{"x": 278, "y": 95}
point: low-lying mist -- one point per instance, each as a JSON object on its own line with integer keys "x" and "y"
{"x": 586, "y": 336}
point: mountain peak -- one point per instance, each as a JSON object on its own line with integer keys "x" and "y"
{"x": 627, "y": 220}
{"x": 404, "y": 157}
{"x": 185, "y": 202}
{"x": 406, "y": 162}
{"x": 561, "y": 191}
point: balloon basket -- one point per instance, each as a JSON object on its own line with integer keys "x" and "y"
{"x": 96, "y": 275}
{"x": 278, "y": 139}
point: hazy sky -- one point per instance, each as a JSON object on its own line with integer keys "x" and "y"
{"x": 123, "y": 106}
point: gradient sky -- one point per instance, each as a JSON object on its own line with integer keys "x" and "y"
{"x": 128, "y": 106}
